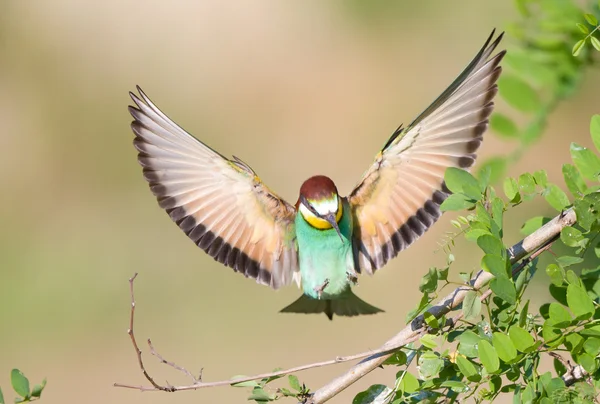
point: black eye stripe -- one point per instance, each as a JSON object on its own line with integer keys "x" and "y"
{"x": 310, "y": 207}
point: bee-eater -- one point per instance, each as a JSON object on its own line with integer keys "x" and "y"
{"x": 323, "y": 241}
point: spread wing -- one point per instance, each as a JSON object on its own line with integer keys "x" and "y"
{"x": 221, "y": 204}
{"x": 398, "y": 198}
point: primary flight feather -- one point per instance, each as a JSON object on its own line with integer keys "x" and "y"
{"x": 324, "y": 240}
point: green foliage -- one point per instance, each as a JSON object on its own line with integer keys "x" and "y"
{"x": 261, "y": 394}
{"x": 496, "y": 344}
{"x": 20, "y": 385}
{"x": 590, "y": 31}
{"x": 540, "y": 71}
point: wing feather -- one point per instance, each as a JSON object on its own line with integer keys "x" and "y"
{"x": 398, "y": 198}
{"x": 219, "y": 203}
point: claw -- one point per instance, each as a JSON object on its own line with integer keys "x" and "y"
{"x": 321, "y": 288}
{"x": 352, "y": 277}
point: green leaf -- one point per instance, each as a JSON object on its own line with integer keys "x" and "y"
{"x": 376, "y": 394}
{"x": 429, "y": 281}
{"x": 495, "y": 265}
{"x": 552, "y": 335}
{"x": 583, "y": 28}
{"x": 518, "y": 93}
{"x": 570, "y": 236}
{"x": 593, "y": 331}
{"x": 578, "y": 47}
{"x": 579, "y": 302}
{"x": 503, "y": 125}
{"x": 468, "y": 369}
{"x": 587, "y": 361}
{"x": 258, "y": 394}
{"x": 592, "y": 346}
{"x": 430, "y": 320}
{"x": 528, "y": 394}
{"x": 574, "y": 181}
{"x": 461, "y": 181}
{"x": 522, "y": 340}
{"x": 556, "y": 197}
{"x": 566, "y": 261}
{"x": 429, "y": 365}
{"x": 1, "y": 397}
{"x": 595, "y": 43}
{"x": 249, "y": 383}
{"x": 541, "y": 178}
{"x": 574, "y": 343}
{"x": 504, "y": 289}
{"x": 428, "y": 340}
{"x": 495, "y": 384}
{"x": 511, "y": 190}
{"x": 586, "y": 161}
{"x": 37, "y": 389}
{"x": 587, "y": 210}
{"x": 559, "y": 316}
{"x": 554, "y": 386}
{"x": 397, "y": 359}
{"x": 556, "y": 274}
{"x": 595, "y": 130}
{"x": 468, "y": 344}
{"x": 526, "y": 184}
{"x": 533, "y": 224}
{"x": 455, "y": 386}
{"x": 488, "y": 356}
{"x": 504, "y": 347}
{"x": 294, "y": 382}
{"x": 591, "y": 19}
{"x": 457, "y": 202}
{"x": 523, "y": 315}
{"x": 471, "y": 306}
{"x": 409, "y": 383}
{"x": 491, "y": 245}
{"x": 19, "y": 383}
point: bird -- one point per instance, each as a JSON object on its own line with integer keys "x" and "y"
{"x": 323, "y": 241}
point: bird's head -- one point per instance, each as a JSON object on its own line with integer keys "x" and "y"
{"x": 319, "y": 203}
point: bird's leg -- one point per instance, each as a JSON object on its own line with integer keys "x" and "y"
{"x": 319, "y": 289}
{"x": 352, "y": 277}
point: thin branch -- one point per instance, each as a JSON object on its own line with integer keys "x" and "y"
{"x": 197, "y": 382}
{"x": 183, "y": 370}
{"x": 527, "y": 246}
{"x": 131, "y": 334}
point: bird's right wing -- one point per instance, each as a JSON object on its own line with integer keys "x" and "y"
{"x": 221, "y": 204}
{"x": 399, "y": 197}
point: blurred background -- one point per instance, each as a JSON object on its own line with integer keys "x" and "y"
{"x": 294, "y": 89}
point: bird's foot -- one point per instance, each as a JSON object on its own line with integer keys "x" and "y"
{"x": 321, "y": 288}
{"x": 352, "y": 277}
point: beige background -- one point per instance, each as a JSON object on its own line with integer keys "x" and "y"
{"x": 295, "y": 89}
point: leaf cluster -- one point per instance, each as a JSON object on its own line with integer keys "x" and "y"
{"x": 20, "y": 385}
{"x": 496, "y": 344}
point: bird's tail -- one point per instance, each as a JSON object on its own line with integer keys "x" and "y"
{"x": 348, "y": 305}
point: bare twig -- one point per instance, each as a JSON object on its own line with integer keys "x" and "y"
{"x": 131, "y": 334}
{"x": 174, "y": 365}
{"x": 197, "y": 383}
{"x": 528, "y": 245}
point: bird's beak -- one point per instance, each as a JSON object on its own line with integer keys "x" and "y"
{"x": 331, "y": 220}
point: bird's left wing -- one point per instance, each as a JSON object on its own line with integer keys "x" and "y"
{"x": 221, "y": 204}
{"x": 398, "y": 198}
